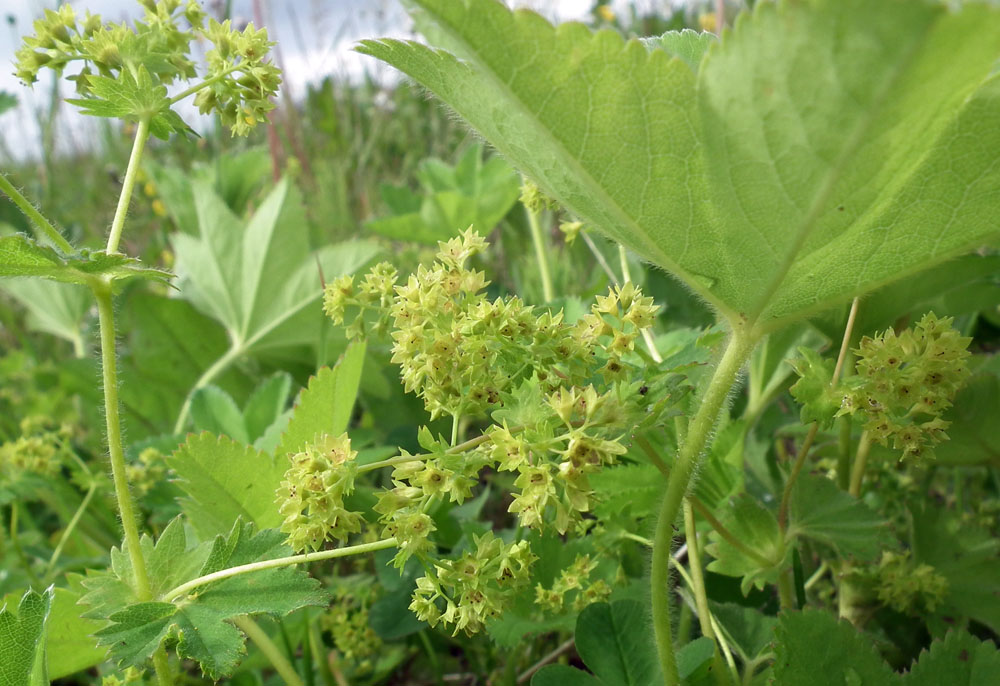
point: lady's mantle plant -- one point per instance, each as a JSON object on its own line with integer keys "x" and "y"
{"x": 123, "y": 72}
{"x": 819, "y": 150}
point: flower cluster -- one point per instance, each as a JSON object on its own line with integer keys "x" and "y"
{"x": 460, "y": 352}
{"x": 147, "y": 471}
{"x": 906, "y": 586}
{"x": 346, "y": 620}
{"x": 244, "y": 101}
{"x": 563, "y": 396}
{"x": 145, "y": 58}
{"x": 573, "y": 588}
{"x": 906, "y": 381}
{"x": 472, "y": 588}
{"x": 38, "y": 450}
{"x": 311, "y": 498}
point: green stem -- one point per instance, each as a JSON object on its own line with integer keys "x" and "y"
{"x": 32, "y": 213}
{"x": 128, "y": 183}
{"x": 543, "y": 261}
{"x": 844, "y": 452}
{"x": 697, "y": 575}
{"x": 360, "y": 549}
{"x": 207, "y": 377}
{"x": 106, "y": 317}
{"x": 204, "y": 84}
{"x": 698, "y": 588}
{"x": 860, "y": 462}
{"x": 737, "y": 351}
{"x": 69, "y": 529}
{"x": 786, "y": 590}
{"x": 800, "y": 460}
{"x": 161, "y": 665}
{"x": 273, "y": 654}
{"x": 455, "y": 449}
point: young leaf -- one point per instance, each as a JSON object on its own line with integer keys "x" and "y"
{"x": 472, "y": 193}
{"x": 800, "y": 166}
{"x": 688, "y": 46}
{"x": 258, "y": 277}
{"x": 224, "y": 480}
{"x": 22, "y": 640}
{"x": 325, "y": 406}
{"x": 813, "y": 648}
{"x": 757, "y": 528}
{"x": 748, "y": 630}
{"x": 826, "y": 514}
{"x": 23, "y": 256}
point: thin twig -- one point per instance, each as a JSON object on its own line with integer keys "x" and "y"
{"x": 563, "y": 647}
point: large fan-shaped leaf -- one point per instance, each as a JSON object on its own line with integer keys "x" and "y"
{"x": 823, "y": 148}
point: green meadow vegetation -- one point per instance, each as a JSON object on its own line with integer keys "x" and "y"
{"x": 631, "y": 353}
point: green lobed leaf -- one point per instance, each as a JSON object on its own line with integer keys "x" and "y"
{"x": 257, "y": 277}
{"x": 823, "y": 149}
{"x": 472, "y": 193}
{"x": 69, "y": 643}
{"x": 823, "y": 512}
{"x": 958, "y": 660}
{"x": 756, "y": 527}
{"x": 225, "y": 480}
{"x": 325, "y": 406}
{"x": 814, "y": 648}
{"x": 22, "y": 640}
{"x": 23, "y": 256}
{"x": 201, "y": 620}
{"x": 615, "y": 643}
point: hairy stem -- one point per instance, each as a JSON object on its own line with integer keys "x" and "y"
{"x": 273, "y": 654}
{"x": 737, "y": 351}
{"x": 128, "y": 183}
{"x": 109, "y": 369}
{"x": 106, "y": 317}
{"x": 360, "y": 549}
{"x": 32, "y": 213}
{"x": 543, "y": 261}
{"x": 786, "y": 590}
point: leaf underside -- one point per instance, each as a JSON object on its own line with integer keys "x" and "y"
{"x": 822, "y": 148}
